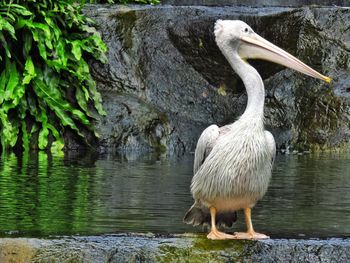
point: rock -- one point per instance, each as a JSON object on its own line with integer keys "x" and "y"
{"x": 166, "y": 80}
{"x": 178, "y": 248}
{"x": 132, "y": 124}
{"x": 255, "y": 3}
{"x": 19, "y": 250}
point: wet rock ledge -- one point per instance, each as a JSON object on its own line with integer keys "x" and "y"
{"x": 151, "y": 248}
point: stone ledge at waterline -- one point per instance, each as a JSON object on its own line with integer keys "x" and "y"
{"x": 150, "y": 248}
{"x": 256, "y": 3}
{"x": 166, "y": 80}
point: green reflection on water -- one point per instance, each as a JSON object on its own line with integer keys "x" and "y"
{"x": 36, "y": 198}
{"x": 44, "y": 195}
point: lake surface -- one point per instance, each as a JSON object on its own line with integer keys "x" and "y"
{"x": 43, "y": 195}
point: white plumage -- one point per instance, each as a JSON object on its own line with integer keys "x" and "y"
{"x": 232, "y": 166}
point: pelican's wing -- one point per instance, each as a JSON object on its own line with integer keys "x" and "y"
{"x": 272, "y": 145}
{"x": 199, "y": 214}
{"x": 206, "y": 143}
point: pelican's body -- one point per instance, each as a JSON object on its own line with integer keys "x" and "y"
{"x": 247, "y": 151}
{"x": 232, "y": 166}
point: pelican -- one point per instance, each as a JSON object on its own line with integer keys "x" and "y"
{"x": 233, "y": 163}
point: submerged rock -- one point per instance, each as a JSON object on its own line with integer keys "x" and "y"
{"x": 166, "y": 80}
{"x": 151, "y": 248}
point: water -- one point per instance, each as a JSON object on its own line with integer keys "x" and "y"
{"x": 43, "y": 195}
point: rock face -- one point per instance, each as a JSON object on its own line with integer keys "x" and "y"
{"x": 149, "y": 248}
{"x": 166, "y": 80}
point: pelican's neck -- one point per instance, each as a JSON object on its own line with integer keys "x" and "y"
{"x": 253, "y": 84}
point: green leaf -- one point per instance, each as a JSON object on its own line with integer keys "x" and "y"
{"x": 81, "y": 99}
{"x": 22, "y": 108}
{"x": 19, "y": 9}
{"x": 28, "y": 41}
{"x": 57, "y": 146}
{"x": 89, "y": 29}
{"x": 56, "y": 30}
{"x": 5, "y": 45}
{"x": 22, "y": 22}
{"x": 5, "y": 25}
{"x": 9, "y": 130}
{"x": 35, "y": 34}
{"x": 25, "y": 134}
{"x": 34, "y": 128}
{"x": 11, "y": 90}
{"x": 12, "y": 82}
{"x": 101, "y": 48}
{"x": 43, "y": 137}
{"x": 18, "y": 94}
{"x": 96, "y": 96}
{"x": 42, "y": 46}
{"x": 29, "y": 71}
{"x": 58, "y": 143}
{"x": 44, "y": 131}
{"x": 45, "y": 28}
{"x": 86, "y": 93}
{"x": 3, "y": 82}
{"x": 60, "y": 61}
{"x": 10, "y": 17}
{"x": 82, "y": 71}
{"x": 76, "y": 49}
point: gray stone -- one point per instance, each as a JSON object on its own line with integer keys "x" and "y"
{"x": 166, "y": 80}
{"x": 178, "y": 248}
{"x": 257, "y": 3}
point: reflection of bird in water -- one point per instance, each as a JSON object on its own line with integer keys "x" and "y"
{"x": 232, "y": 166}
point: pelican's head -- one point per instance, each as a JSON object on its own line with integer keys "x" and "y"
{"x": 240, "y": 37}
{"x": 231, "y": 31}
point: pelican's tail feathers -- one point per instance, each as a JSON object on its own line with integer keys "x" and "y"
{"x": 200, "y": 215}
{"x": 197, "y": 215}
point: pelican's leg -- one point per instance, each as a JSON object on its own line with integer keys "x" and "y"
{"x": 214, "y": 232}
{"x": 250, "y": 234}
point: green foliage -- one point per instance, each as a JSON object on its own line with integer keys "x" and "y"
{"x": 152, "y": 2}
{"x": 45, "y": 83}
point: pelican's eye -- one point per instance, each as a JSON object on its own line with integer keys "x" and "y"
{"x": 246, "y": 30}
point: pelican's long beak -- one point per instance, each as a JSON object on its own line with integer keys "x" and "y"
{"x": 254, "y": 46}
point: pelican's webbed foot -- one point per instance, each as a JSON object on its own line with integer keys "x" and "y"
{"x": 217, "y": 235}
{"x": 250, "y": 235}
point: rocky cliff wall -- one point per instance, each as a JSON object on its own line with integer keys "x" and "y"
{"x": 166, "y": 80}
